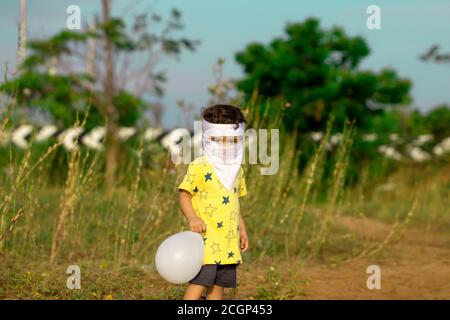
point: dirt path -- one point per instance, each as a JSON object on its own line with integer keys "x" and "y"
{"x": 416, "y": 267}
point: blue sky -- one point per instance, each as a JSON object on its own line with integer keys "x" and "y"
{"x": 227, "y": 26}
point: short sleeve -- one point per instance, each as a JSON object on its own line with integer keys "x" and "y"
{"x": 190, "y": 179}
{"x": 242, "y": 184}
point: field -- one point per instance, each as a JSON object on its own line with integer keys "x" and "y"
{"x": 310, "y": 238}
{"x": 359, "y": 207}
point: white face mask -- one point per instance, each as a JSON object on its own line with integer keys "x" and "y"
{"x": 225, "y": 147}
{"x": 226, "y": 158}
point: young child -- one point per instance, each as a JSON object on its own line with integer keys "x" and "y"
{"x": 209, "y": 199}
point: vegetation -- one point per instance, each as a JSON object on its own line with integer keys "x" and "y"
{"x": 46, "y": 227}
{"x": 57, "y": 209}
{"x": 317, "y": 72}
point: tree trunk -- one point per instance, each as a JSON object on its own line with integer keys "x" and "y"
{"x": 112, "y": 141}
{"x": 91, "y": 49}
{"x": 22, "y": 34}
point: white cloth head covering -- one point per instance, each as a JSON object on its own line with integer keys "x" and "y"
{"x": 225, "y": 159}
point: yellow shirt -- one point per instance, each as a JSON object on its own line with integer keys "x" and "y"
{"x": 218, "y": 208}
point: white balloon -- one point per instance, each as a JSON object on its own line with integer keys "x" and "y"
{"x": 179, "y": 258}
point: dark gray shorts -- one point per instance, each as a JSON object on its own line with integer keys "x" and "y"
{"x": 220, "y": 274}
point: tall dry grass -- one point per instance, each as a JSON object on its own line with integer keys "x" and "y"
{"x": 288, "y": 215}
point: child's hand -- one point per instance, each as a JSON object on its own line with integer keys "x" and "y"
{"x": 244, "y": 240}
{"x": 196, "y": 224}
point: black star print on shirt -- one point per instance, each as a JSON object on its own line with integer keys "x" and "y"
{"x": 230, "y": 254}
{"x": 208, "y": 176}
{"x": 195, "y": 190}
{"x": 226, "y": 199}
{"x": 219, "y": 224}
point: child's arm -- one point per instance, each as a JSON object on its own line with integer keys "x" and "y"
{"x": 195, "y": 223}
{"x": 242, "y": 233}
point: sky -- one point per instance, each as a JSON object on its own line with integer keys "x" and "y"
{"x": 224, "y": 27}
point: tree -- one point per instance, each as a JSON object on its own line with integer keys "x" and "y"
{"x": 105, "y": 67}
{"x": 22, "y": 32}
{"x": 438, "y": 121}
{"x": 316, "y": 72}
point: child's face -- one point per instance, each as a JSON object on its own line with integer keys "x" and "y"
{"x": 228, "y": 144}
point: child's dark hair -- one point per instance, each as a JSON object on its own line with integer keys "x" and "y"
{"x": 223, "y": 113}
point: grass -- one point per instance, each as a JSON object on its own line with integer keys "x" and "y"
{"x": 46, "y": 226}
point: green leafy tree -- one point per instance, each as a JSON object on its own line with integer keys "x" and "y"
{"x": 390, "y": 121}
{"x": 416, "y": 123}
{"x": 107, "y": 67}
{"x": 436, "y": 122}
{"x": 316, "y": 72}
